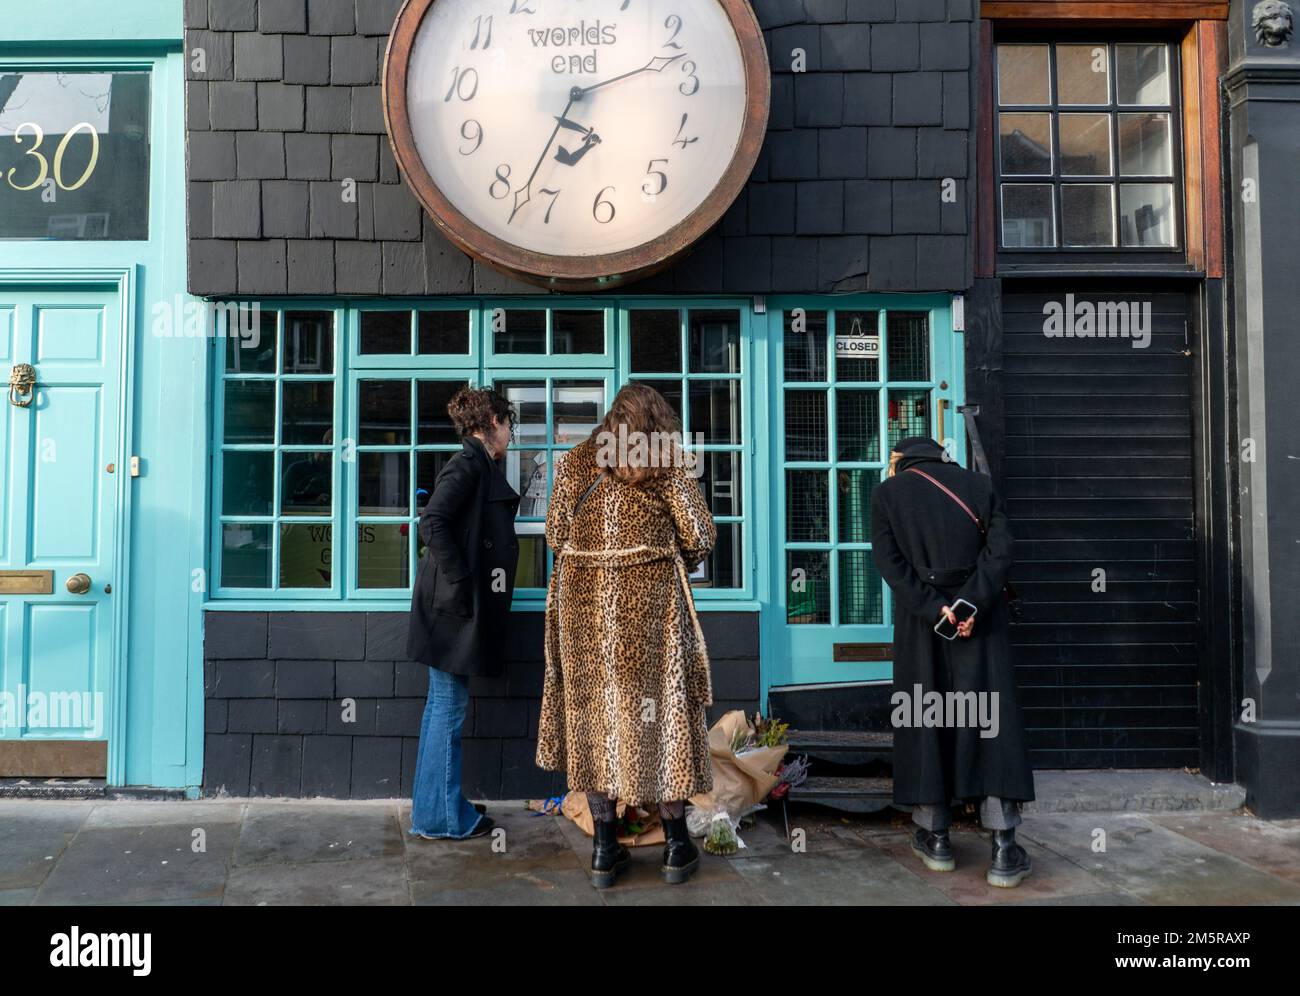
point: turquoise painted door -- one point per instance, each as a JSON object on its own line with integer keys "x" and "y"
{"x": 850, "y": 377}
{"x": 58, "y": 512}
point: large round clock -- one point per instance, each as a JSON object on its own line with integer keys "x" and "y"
{"x": 578, "y": 144}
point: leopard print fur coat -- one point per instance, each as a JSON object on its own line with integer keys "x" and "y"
{"x": 627, "y": 671}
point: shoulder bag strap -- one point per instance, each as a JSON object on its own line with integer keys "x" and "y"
{"x": 951, "y": 494}
{"x": 587, "y": 494}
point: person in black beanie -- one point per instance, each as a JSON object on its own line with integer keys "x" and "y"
{"x": 939, "y": 534}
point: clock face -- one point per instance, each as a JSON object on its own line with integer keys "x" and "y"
{"x": 577, "y": 128}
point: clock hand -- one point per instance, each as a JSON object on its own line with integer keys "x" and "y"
{"x": 656, "y": 65}
{"x": 525, "y": 193}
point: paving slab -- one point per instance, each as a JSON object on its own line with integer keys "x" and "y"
{"x": 138, "y": 813}
{"x": 1273, "y": 848}
{"x": 293, "y": 833}
{"x": 140, "y": 863}
{"x": 1156, "y": 864}
{"x": 360, "y": 882}
{"x": 33, "y": 838}
{"x": 867, "y": 876}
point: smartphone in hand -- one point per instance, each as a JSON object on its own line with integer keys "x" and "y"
{"x": 963, "y": 610}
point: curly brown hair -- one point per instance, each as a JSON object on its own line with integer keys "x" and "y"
{"x": 473, "y": 409}
{"x": 638, "y": 408}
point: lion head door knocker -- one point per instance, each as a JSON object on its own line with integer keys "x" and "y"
{"x": 22, "y": 385}
{"x": 1273, "y": 23}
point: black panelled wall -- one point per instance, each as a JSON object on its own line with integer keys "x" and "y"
{"x": 276, "y": 685}
{"x": 1099, "y": 476}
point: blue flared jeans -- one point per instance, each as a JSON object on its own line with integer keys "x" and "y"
{"x": 438, "y": 806}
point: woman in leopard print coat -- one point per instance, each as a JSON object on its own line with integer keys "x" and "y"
{"x": 627, "y": 671}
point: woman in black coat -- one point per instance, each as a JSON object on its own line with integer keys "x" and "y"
{"x": 461, "y": 605}
{"x": 951, "y": 745}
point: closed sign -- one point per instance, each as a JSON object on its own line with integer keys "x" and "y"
{"x": 866, "y": 347}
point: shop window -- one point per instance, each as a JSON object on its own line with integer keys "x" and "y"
{"x": 1087, "y": 154}
{"x": 277, "y": 458}
{"x": 74, "y": 155}
{"x": 323, "y": 468}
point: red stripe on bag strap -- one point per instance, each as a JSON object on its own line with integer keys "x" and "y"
{"x": 951, "y": 494}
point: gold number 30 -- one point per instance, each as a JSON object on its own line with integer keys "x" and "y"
{"x": 58, "y": 156}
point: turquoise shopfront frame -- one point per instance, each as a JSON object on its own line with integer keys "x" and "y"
{"x": 155, "y": 689}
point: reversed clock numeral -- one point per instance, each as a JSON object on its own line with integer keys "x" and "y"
{"x": 651, "y": 172}
{"x": 480, "y": 23}
{"x": 692, "y": 84}
{"x": 673, "y": 24}
{"x": 471, "y": 131}
{"x": 522, "y": 7}
{"x": 681, "y": 138}
{"x": 555, "y": 196}
{"x": 461, "y": 79}
{"x": 602, "y": 202}
{"x": 502, "y": 179}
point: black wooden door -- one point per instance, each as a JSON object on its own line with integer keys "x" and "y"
{"x": 1100, "y": 487}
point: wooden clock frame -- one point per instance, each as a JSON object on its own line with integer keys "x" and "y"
{"x": 576, "y": 273}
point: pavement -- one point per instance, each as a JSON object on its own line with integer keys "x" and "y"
{"x": 242, "y": 852}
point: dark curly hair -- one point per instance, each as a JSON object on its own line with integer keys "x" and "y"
{"x": 472, "y": 410}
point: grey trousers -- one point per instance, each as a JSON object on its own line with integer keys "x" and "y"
{"x": 995, "y": 814}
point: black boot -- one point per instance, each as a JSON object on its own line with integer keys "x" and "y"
{"x": 609, "y": 858}
{"x": 680, "y": 856}
{"x": 1010, "y": 861}
{"x": 935, "y": 849}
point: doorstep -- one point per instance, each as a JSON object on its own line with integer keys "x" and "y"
{"x": 1131, "y": 791}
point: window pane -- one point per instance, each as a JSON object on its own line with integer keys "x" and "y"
{"x": 862, "y": 600}
{"x": 908, "y": 334}
{"x": 855, "y": 488}
{"x": 435, "y": 425}
{"x": 806, "y": 426}
{"x": 1027, "y": 216}
{"x": 579, "y": 406}
{"x": 529, "y": 401}
{"x": 308, "y": 342}
{"x": 857, "y": 426}
{"x": 249, "y": 354}
{"x": 1087, "y": 214}
{"x": 444, "y": 332}
{"x": 531, "y": 572}
{"x": 1142, "y": 74}
{"x": 909, "y": 414}
{"x": 721, "y": 483}
{"x": 1023, "y": 74}
{"x": 671, "y": 391}
{"x": 385, "y": 412}
{"x": 715, "y": 341}
{"x": 656, "y": 341}
{"x": 250, "y": 411}
{"x": 715, "y": 411}
{"x": 724, "y": 567}
{"x": 526, "y": 472}
{"x": 1082, "y": 74}
{"x": 427, "y": 468}
{"x": 808, "y": 587}
{"x": 245, "y": 555}
{"x": 807, "y": 506}
{"x": 383, "y": 484}
{"x": 306, "y": 554}
{"x": 385, "y": 332}
{"x": 383, "y": 555}
{"x": 578, "y": 332}
{"x": 307, "y": 413}
{"x": 1085, "y": 144}
{"x": 1147, "y": 214}
{"x": 1145, "y": 145}
{"x": 246, "y": 481}
{"x": 805, "y": 345}
{"x": 857, "y": 323}
{"x": 307, "y": 483}
{"x": 1026, "y": 144}
{"x": 518, "y": 331}
{"x": 95, "y": 149}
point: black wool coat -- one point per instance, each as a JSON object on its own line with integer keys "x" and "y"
{"x": 460, "y": 608}
{"x": 931, "y": 553}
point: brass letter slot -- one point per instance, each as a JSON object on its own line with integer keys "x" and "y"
{"x": 864, "y": 652}
{"x": 26, "y": 582}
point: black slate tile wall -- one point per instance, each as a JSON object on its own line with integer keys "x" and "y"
{"x": 283, "y": 105}
{"x": 275, "y": 685}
